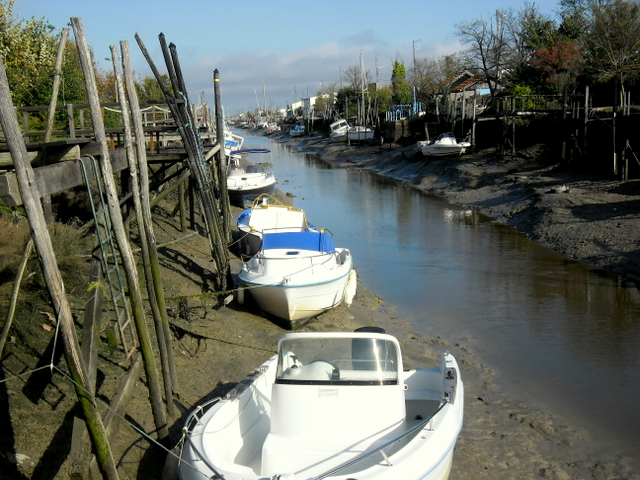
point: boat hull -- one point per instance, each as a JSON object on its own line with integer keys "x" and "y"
{"x": 294, "y": 299}
{"x": 242, "y": 197}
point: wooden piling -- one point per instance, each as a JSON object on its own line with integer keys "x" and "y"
{"x": 126, "y": 254}
{"x": 146, "y": 224}
{"x": 221, "y": 158}
{"x": 14, "y": 296}
{"x": 201, "y": 174}
{"x": 30, "y": 196}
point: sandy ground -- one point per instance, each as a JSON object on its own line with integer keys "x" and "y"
{"x": 589, "y": 219}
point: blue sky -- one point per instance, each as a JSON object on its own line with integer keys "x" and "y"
{"x": 289, "y": 46}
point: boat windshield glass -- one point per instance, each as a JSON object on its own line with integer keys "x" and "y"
{"x": 349, "y": 361}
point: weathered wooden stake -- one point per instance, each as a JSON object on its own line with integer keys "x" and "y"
{"x": 157, "y": 406}
{"x": 221, "y": 159}
{"x": 14, "y": 296}
{"x": 145, "y": 223}
{"x": 31, "y": 198}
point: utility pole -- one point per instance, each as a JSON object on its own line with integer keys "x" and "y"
{"x": 414, "y": 53}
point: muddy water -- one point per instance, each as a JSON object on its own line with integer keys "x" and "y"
{"x": 561, "y": 336}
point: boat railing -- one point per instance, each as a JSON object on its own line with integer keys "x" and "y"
{"x": 381, "y": 448}
{"x": 194, "y": 419}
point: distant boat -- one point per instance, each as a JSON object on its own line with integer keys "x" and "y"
{"x": 245, "y": 180}
{"x": 341, "y": 131}
{"x": 296, "y": 130}
{"x": 335, "y": 405}
{"x": 297, "y": 275}
{"x": 338, "y": 130}
{"x": 360, "y": 133}
{"x": 446, "y": 144}
{"x": 264, "y": 216}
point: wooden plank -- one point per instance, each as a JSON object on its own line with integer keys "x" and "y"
{"x": 55, "y": 178}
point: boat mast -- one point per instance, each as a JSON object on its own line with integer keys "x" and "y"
{"x": 362, "y": 117}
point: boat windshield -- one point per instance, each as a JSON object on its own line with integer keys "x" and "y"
{"x": 341, "y": 360}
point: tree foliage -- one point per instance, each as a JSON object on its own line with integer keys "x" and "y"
{"x": 613, "y": 41}
{"x": 28, "y": 49}
{"x": 561, "y": 64}
{"x": 149, "y": 90}
{"x": 429, "y": 74}
{"x": 401, "y": 89}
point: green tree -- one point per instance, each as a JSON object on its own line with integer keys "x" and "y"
{"x": 28, "y": 49}
{"x": 401, "y": 89}
{"x": 613, "y": 41}
{"x": 346, "y": 103}
{"x": 149, "y": 90}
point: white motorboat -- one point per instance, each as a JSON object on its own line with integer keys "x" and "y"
{"x": 232, "y": 142}
{"x": 341, "y": 131}
{"x": 338, "y": 130}
{"x": 329, "y": 405}
{"x": 297, "y": 130}
{"x": 360, "y": 133}
{"x": 271, "y": 217}
{"x": 446, "y": 144}
{"x": 298, "y": 274}
{"x": 245, "y": 180}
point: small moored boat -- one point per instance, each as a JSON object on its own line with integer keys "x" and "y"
{"x": 446, "y": 144}
{"x": 297, "y": 130}
{"x": 338, "y": 130}
{"x": 330, "y": 405}
{"x": 267, "y": 216}
{"x": 298, "y": 274}
{"x": 245, "y": 180}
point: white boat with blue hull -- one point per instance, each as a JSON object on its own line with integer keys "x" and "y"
{"x": 330, "y": 405}
{"x": 298, "y": 274}
{"x": 268, "y": 214}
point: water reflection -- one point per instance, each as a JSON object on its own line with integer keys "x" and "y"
{"x": 562, "y": 335}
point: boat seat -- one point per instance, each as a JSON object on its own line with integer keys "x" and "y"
{"x": 309, "y": 434}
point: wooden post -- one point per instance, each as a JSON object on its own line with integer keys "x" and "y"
{"x": 144, "y": 242}
{"x": 30, "y": 196}
{"x": 130, "y": 267}
{"x": 56, "y": 84}
{"x": 70, "y": 120}
{"x": 183, "y": 210}
{"x": 152, "y": 264}
{"x": 586, "y": 121}
{"x": 220, "y": 160}
{"x": 201, "y": 174}
{"x": 80, "y": 448}
{"x": 14, "y": 296}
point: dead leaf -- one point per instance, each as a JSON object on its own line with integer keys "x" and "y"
{"x": 50, "y": 316}
{"x": 46, "y": 327}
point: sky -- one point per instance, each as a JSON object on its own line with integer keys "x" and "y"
{"x": 271, "y": 53}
